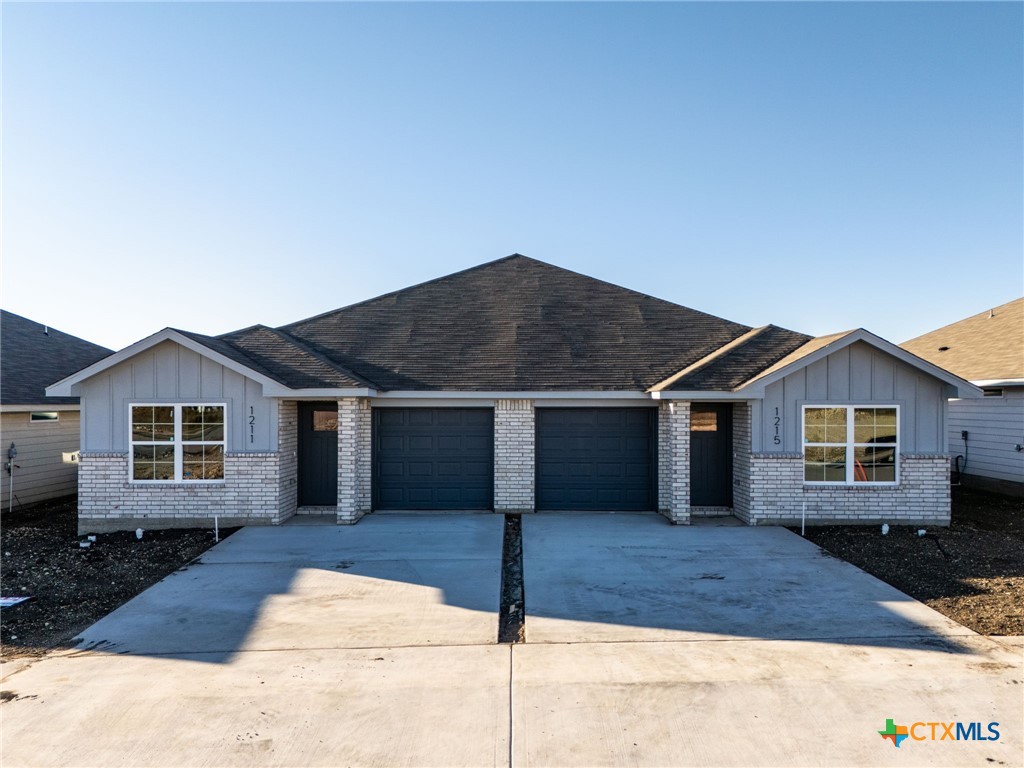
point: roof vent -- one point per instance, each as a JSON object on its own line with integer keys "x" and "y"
{"x": 991, "y": 314}
{"x": 943, "y": 349}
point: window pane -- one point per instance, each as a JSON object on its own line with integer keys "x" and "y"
{"x": 874, "y": 465}
{"x": 142, "y": 414}
{"x": 44, "y": 416}
{"x": 704, "y": 421}
{"x": 814, "y": 465}
{"x": 875, "y": 425}
{"x": 203, "y": 462}
{"x": 191, "y": 414}
{"x": 213, "y": 432}
{"x": 325, "y": 421}
{"x": 143, "y": 453}
{"x": 142, "y": 471}
{"x": 191, "y": 431}
{"x": 825, "y": 465}
{"x": 163, "y": 432}
{"x": 142, "y": 432}
{"x": 835, "y": 465}
{"x": 825, "y": 425}
{"x": 164, "y": 471}
{"x": 163, "y": 414}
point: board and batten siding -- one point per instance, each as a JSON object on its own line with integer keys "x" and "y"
{"x": 171, "y": 373}
{"x": 40, "y": 472}
{"x": 994, "y": 426}
{"x": 856, "y": 375}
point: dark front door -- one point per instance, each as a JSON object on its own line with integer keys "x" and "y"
{"x": 433, "y": 458}
{"x": 595, "y": 458}
{"x": 318, "y": 454}
{"x": 711, "y": 455}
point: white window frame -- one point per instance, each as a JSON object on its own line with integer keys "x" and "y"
{"x": 178, "y": 444}
{"x": 850, "y": 445}
{"x": 33, "y": 420}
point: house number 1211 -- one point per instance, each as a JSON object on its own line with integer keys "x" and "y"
{"x": 778, "y": 420}
{"x": 252, "y": 424}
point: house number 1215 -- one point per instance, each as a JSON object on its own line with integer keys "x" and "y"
{"x": 778, "y": 420}
{"x": 252, "y": 424}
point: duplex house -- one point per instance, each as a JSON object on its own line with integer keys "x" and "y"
{"x": 514, "y": 386}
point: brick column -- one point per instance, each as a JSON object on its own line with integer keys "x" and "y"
{"x": 287, "y": 451}
{"x": 354, "y": 459}
{"x": 674, "y": 461}
{"x": 514, "y": 456}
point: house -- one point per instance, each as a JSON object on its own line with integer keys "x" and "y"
{"x": 514, "y": 386}
{"x": 43, "y": 430}
{"x": 986, "y": 436}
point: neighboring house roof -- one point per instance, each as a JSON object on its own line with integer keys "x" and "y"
{"x": 32, "y": 356}
{"x": 511, "y": 325}
{"x": 988, "y": 346}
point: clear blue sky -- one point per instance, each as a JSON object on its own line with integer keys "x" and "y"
{"x": 819, "y": 166}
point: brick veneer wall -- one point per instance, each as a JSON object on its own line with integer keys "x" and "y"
{"x": 741, "y": 415}
{"x": 674, "y": 461}
{"x": 288, "y": 462}
{"x": 514, "y": 467}
{"x": 249, "y": 495}
{"x": 778, "y": 494}
{"x": 355, "y": 466}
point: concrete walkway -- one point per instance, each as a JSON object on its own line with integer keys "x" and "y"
{"x": 647, "y": 644}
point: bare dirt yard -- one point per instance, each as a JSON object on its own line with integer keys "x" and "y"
{"x": 972, "y": 572}
{"x": 72, "y": 586}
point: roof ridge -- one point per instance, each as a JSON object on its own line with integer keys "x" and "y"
{"x": 315, "y": 354}
{"x": 711, "y": 357}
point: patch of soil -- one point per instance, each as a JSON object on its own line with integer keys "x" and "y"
{"x": 972, "y": 572}
{"x": 512, "y": 613}
{"x": 72, "y": 586}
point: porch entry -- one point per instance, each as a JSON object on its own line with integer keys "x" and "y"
{"x": 711, "y": 455}
{"x": 318, "y": 454}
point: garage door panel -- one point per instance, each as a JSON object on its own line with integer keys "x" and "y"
{"x": 596, "y": 458}
{"x": 433, "y": 458}
{"x": 420, "y": 444}
{"x": 449, "y": 443}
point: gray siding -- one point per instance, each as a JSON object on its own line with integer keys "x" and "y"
{"x": 40, "y": 473}
{"x": 171, "y": 373}
{"x": 854, "y": 375}
{"x": 994, "y": 426}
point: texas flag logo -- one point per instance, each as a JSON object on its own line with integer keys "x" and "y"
{"x": 894, "y": 733}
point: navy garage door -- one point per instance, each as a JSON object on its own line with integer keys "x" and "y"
{"x": 596, "y": 458}
{"x": 433, "y": 458}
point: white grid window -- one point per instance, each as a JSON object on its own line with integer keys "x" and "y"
{"x": 179, "y": 443}
{"x": 851, "y": 444}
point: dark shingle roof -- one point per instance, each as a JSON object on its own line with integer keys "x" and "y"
{"x": 288, "y": 360}
{"x": 734, "y": 366}
{"x": 33, "y": 356}
{"x": 515, "y": 324}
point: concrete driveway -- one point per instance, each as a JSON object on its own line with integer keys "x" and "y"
{"x": 646, "y": 644}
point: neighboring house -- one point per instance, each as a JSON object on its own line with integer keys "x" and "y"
{"x": 988, "y": 350}
{"x": 44, "y": 430}
{"x": 514, "y": 386}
